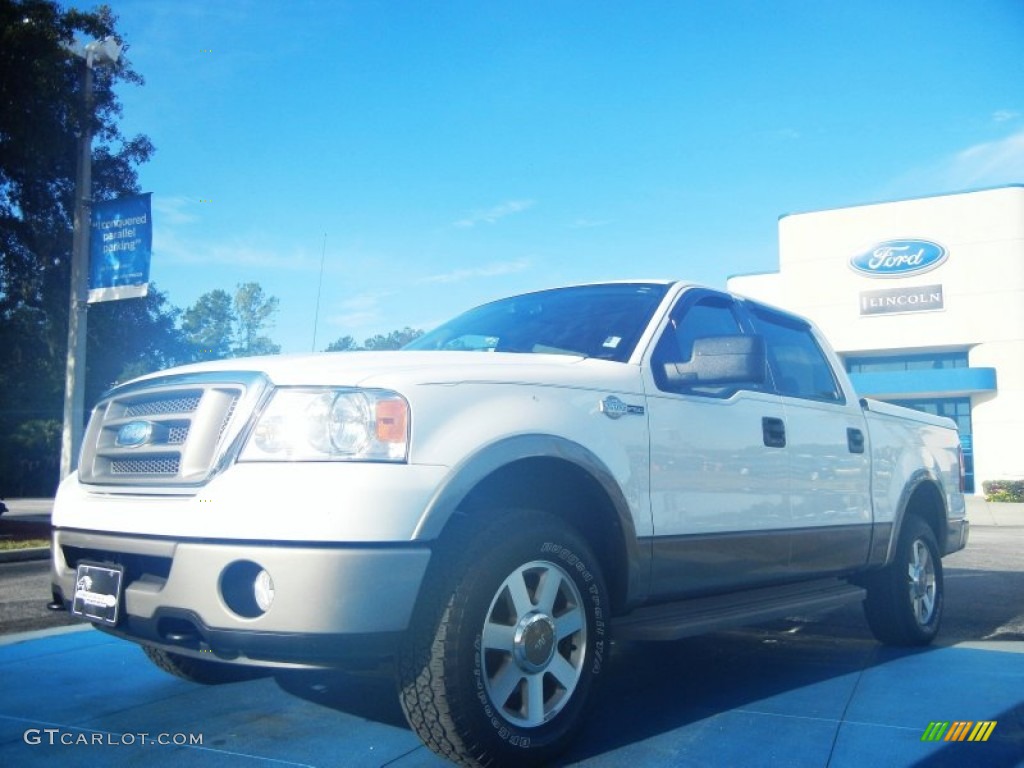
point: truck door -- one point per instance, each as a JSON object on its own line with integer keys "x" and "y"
{"x": 719, "y": 491}
{"x": 828, "y": 465}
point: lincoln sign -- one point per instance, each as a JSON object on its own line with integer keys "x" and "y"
{"x": 922, "y": 298}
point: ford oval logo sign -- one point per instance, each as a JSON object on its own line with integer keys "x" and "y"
{"x": 134, "y": 434}
{"x": 899, "y": 258}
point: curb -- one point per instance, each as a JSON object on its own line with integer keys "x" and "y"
{"x": 24, "y": 555}
{"x": 983, "y": 513}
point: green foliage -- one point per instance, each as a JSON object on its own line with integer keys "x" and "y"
{"x": 8, "y": 546}
{"x": 131, "y": 337}
{"x": 218, "y": 326}
{"x": 40, "y": 121}
{"x": 393, "y": 340}
{"x": 342, "y": 344}
{"x": 29, "y": 454}
{"x": 1007, "y": 491}
{"x": 253, "y": 313}
{"x": 207, "y": 326}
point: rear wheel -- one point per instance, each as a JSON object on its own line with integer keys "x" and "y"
{"x": 905, "y": 600}
{"x": 500, "y": 671}
{"x": 200, "y": 670}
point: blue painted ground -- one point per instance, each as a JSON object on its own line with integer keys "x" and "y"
{"x": 751, "y": 698}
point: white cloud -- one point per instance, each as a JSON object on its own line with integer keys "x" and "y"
{"x": 491, "y": 215}
{"x": 488, "y": 270}
{"x": 988, "y": 164}
{"x": 1004, "y": 115}
{"x": 585, "y": 223}
{"x": 993, "y": 162}
{"x": 181, "y": 236}
{"x": 172, "y": 246}
{"x": 174, "y": 210}
{"x": 357, "y": 312}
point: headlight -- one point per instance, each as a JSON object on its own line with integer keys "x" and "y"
{"x": 330, "y": 425}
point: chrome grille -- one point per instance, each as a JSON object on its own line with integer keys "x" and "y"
{"x": 155, "y": 466}
{"x": 167, "y": 431}
{"x": 227, "y": 417}
{"x": 162, "y": 405}
{"x": 177, "y": 435}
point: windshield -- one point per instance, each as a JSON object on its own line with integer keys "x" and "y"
{"x": 603, "y": 321}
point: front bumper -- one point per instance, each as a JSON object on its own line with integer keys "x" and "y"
{"x": 330, "y": 601}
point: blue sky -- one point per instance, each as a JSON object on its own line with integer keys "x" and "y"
{"x": 455, "y": 152}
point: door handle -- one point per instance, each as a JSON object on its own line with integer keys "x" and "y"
{"x": 774, "y": 431}
{"x": 855, "y": 440}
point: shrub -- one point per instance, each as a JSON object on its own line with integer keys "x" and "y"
{"x": 1011, "y": 491}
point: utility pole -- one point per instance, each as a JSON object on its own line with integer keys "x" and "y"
{"x": 104, "y": 51}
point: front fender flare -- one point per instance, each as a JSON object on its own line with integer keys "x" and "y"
{"x": 476, "y": 468}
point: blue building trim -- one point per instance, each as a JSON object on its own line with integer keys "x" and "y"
{"x": 943, "y": 382}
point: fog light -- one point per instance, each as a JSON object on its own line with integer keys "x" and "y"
{"x": 263, "y": 590}
{"x": 247, "y": 589}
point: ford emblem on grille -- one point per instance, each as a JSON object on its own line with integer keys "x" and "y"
{"x": 899, "y": 258}
{"x": 134, "y": 434}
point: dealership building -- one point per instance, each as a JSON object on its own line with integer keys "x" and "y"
{"x": 924, "y": 301}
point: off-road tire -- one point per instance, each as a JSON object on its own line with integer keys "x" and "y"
{"x": 905, "y": 600}
{"x": 200, "y": 670}
{"x": 507, "y": 643}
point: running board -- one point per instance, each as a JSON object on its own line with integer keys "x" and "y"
{"x": 671, "y": 621}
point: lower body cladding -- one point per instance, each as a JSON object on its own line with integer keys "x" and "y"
{"x": 263, "y": 603}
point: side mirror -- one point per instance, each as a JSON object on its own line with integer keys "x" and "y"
{"x": 719, "y": 361}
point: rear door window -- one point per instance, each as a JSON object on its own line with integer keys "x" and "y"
{"x": 797, "y": 363}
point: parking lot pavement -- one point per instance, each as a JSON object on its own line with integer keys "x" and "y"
{"x": 746, "y": 698}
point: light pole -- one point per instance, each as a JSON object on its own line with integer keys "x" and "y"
{"x": 106, "y": 51}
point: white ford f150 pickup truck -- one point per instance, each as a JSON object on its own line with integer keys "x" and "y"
{"x": 644, "y": 460}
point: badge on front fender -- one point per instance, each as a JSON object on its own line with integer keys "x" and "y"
{"x": 614, "y": 408}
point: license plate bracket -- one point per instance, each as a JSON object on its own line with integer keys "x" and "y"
{"x": 98, "y": 592}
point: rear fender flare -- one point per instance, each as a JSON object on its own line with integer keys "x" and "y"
{"x": 939, "y": 521}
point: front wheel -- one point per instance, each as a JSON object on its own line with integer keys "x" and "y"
{"x": 905, "y": 600}
{"x": 500, "y": 672}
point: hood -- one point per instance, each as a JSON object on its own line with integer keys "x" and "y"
{"x": 394, "y": 368}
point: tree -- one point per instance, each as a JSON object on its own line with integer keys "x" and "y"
{"x": 253, "y": 313}
{"x": 219, "y": 326}
{"x": 132, "y": 337}
{"x": 41, "y": 117}
{"x": 342, "y": 344}
{"x": 208, "y": 326}
{"x": 40, "y": 120}
{"x": 393, "y": 340}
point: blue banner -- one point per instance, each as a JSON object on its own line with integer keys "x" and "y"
{"x": 121, "y": 246}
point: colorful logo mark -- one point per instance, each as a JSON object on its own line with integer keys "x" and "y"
{"x": 959, "y": 730}
{"x": 899, "y": 258}
{"x": 133, "y": 434}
